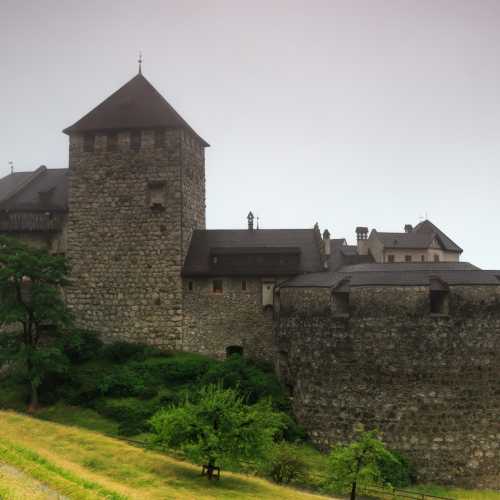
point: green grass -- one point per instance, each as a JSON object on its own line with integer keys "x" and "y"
{"x": 86, "y": 465}
{"x": 457, "y": 493}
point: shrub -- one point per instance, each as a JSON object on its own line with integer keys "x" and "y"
{"x": 398, "y": 473}
{"x": 286, "y": 464}
{"x": 252, "y": 382}
{"x": 122, "y": 351}
{"x": 131, "y": 414}
{"x": 292, "y": 432}
{"x": 82, "y": 345}
{"x": 123, "y": 381}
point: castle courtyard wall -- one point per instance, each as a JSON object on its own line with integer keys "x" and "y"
{"x": 214, "y": 321}
{"x": 431, "y": 384}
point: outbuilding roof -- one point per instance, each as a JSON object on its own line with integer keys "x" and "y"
{"x": 240, "y": 241}
{"x": 136, "y": 105}
{"x": 42, "y": 190}
{"x": 420, "y": 237}
{"x": 452, "y": 273}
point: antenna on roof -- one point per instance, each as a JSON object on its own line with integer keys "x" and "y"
{"x": 257, "y": 222}
{"x": 11, "y": 165}
{"x": 140, "y": 63}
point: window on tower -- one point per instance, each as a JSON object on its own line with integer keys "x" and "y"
{"x": 88, "y": 143}
{"x": 135, "y": 140}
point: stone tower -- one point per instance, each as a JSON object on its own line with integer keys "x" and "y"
{"x": 137, "y": 192}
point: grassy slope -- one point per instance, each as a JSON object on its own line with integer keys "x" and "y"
{"x": 85, "y": 465}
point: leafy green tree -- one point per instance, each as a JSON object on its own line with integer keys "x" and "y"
{"x": 218, "y": 428}
{"x": 32, "y": 311}
{"x": 358, "y": 463}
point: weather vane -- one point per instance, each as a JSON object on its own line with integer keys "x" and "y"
{"x": 140, "y": 63}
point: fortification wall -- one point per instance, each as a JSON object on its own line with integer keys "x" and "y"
{"x": 430, "y": 384}
{"x": 234, "y": 317}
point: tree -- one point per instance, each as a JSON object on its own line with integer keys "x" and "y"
{"x": 358, "y": 462}
{"x": 218, "y": 428}
{"x": 31, "y": 281}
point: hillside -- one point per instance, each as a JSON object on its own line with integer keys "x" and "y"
{"x": 82, "y": 464}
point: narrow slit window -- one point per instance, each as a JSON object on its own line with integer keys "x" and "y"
{"x": 244, "y": 285}
{"x": 88, "y": 143}
{"x": 217, "y": 286}
{"x": 112, "y": 142}
{"x": 135, "y": 140}
{"x": 159, "y": 138}
{"x": 190, "y": 286}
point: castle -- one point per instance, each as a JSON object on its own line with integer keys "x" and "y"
{"x": 393, "y": 332}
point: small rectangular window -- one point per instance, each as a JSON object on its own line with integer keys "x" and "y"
{"x": 112, "y": 142}
{"x": 156, "y": 194}
{"x": 135, "y": 140}
{"x": 390, "y": 258}
{"x": 244, "y": 285}
{"x": 422, "y": 258}
{"x": 340, "y": 303}
{"x": 217, "y": 286}
{"x": 159, "y": 138}
{"x": 407, "y": 258}
{"x": 190, "y": 286}
{"x": 88, "y": 143}
{"x": 439, "y": 301}
{"x": 436, "y": 258}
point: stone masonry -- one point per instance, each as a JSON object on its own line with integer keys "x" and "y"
{"x": 126, "y": 254}
{"x": 431, "y": 384}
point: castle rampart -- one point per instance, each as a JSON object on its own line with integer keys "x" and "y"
{"x": 430, "y": 383}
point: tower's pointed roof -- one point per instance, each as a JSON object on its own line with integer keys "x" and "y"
{"x": 135, "y": 105}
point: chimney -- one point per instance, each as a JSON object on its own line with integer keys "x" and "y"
{"x": 326, "y": 242}
{"x": 362, "y": 239}
{"x": 250, "y": 221}
{"x": 408, "y": 228}
{"x": 326, "y": 248}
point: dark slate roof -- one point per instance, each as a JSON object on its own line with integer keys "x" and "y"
{"x": 421, "y": 237}
{"x": 427, "y": 226}
{"x": 236, "y": 241}
{"x": 11, "y": 183}
{"x": 451, "y": 273}
{"x": 404, "y": 240}
{"x": 42, "y": 190}
{"x": 135, "y": 105}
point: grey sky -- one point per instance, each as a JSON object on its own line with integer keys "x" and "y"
{"x": 342, "y": 112}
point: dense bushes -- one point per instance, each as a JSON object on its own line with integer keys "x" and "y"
{"x": 286, "y": 464}
{"x": 129, "y": 382}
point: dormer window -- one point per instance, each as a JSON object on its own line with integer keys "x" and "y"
{"x": 88, "y": 143}
{"x": 135, "y": 140}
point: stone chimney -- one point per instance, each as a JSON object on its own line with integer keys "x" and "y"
{"x": 408, "y": 228}
{"x": 250, "y": 218}
{"x": 362, "y": 239}
{"x": 326, "y": 248}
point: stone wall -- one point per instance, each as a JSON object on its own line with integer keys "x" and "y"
{"x": 125, "y": 250}
{"x": 235, "y": 317}
{"x": 430, "y": 384}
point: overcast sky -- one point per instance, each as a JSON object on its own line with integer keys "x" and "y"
{"x": 347, "y": 112}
